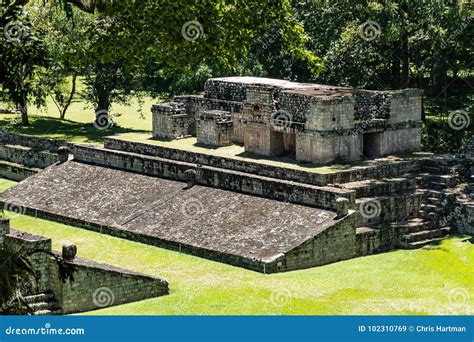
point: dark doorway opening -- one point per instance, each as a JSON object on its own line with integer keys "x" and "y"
{"x": 371, "y": 145}
{"x": 283, "y": 144}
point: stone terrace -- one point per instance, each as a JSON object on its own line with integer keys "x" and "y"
{"x": 233, "y": 225}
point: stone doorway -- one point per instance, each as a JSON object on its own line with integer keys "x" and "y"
{"x": 371, "y": 145}
{"x": 283, "y": 144}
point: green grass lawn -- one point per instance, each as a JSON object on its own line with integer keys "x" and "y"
{"x": 416, "y": 282}
{"x": 77, "y": 126}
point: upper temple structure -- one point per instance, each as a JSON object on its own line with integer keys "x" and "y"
{"x": 314, "y": 123}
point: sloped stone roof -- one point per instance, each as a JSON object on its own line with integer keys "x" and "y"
{"x": 202, "y": 217}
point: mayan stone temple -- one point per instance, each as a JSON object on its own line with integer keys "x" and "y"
{"x": 312, "y": 122}
{"x": 263, "y": 174}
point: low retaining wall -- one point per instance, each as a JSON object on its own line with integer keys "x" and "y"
{"x": 36, "y": 143}
{"x": 336, "y": 243}
{"x": 95, "y": 285}
{"x": 344, "y": 176}
{"x": 464, "y": 218}
{"x": 27, "y": 156}
{"x": 376, "y": 240}
{"x": 321, "y": 197}
{"x": 15, "y": 172}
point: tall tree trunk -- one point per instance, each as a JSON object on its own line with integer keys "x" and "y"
{"x": 405, "y": 53}
{"x": 423, "y": 114}
{"x": 396, "y": 65}
{"x": 438, "y": 76}
{"x": 24, "y": 108}
{"x": 69, "y": 99}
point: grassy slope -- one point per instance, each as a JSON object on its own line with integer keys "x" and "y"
{"x": 399, "y": 282}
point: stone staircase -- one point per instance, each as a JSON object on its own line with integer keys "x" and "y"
{"x": 416, "y": 208}
{"x": 43, "y": 304}
{"x": 18, "y": 162}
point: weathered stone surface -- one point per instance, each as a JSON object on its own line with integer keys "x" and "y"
{"x": 315, "y": 123}
{"x": 95, "y": 285}
{"x": 206, "y": 218}
{"x": 69, "y": 251}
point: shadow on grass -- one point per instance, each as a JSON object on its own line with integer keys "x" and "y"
{"x": 64, "y": 129}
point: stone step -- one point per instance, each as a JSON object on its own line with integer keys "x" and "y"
{"x": 385, "y": 209}
{"x": 426, "y": 180}
{"x": 39, "y": 297}
{"x": 431, "y": 216}
{"x": 27, "y": 156}
{"x": 434, "y": 201}
{"x": 43, "y": 306}
{"x": 440, "y": 161}
{"x": 425, "y": 235}
{"x": 429, "y": 208}
{"x": 419, "y": 244}
{"x": 412, "y": 226}
{"x": 381, "y": 187}
{"x": 16, "y": 172}
{"x": 432, "y": 169}
{"x": 47, "y": 312}
{"x": 438, "y": 185}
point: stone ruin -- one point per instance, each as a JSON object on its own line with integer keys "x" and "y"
{"x": 310, "y": 122}
{"x": 91, "y": 286}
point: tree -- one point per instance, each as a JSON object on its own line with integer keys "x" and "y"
{"x": 22, "y": 60}
{"x": 407, "y": 42}
{"x": 67, "y": 40}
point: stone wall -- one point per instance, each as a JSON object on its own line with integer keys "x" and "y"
{"x": 331, "y": 114}
{"x": 95, "y": 285}
{"x": 464, "y": 218}
{"x": 371, "y": 105}
{"x": 324, "y": 149}
{"x": 405, "y": 105}
{"x": 321, "y": 197}
{"x": 41, "y": 261}
{"x": 15, "y": 172}
{"x": 214, "y": 128}
{"x": 397, "y": 141}
{"x": 390, "y": 169}
{"x": 336, "y": 243}
{"x": 27, "y": 156}
{"x": 36, "y": 143}
{"x": 376, "y": 240}
{"x": 171, "y": 121}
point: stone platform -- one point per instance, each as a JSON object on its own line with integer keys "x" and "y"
{"x": 239, "y": 229}
{"x": 235, "y": 158}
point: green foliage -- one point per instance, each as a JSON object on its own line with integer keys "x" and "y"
{"x": 23, "y": 60}
{"x": 17, "y": 277}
